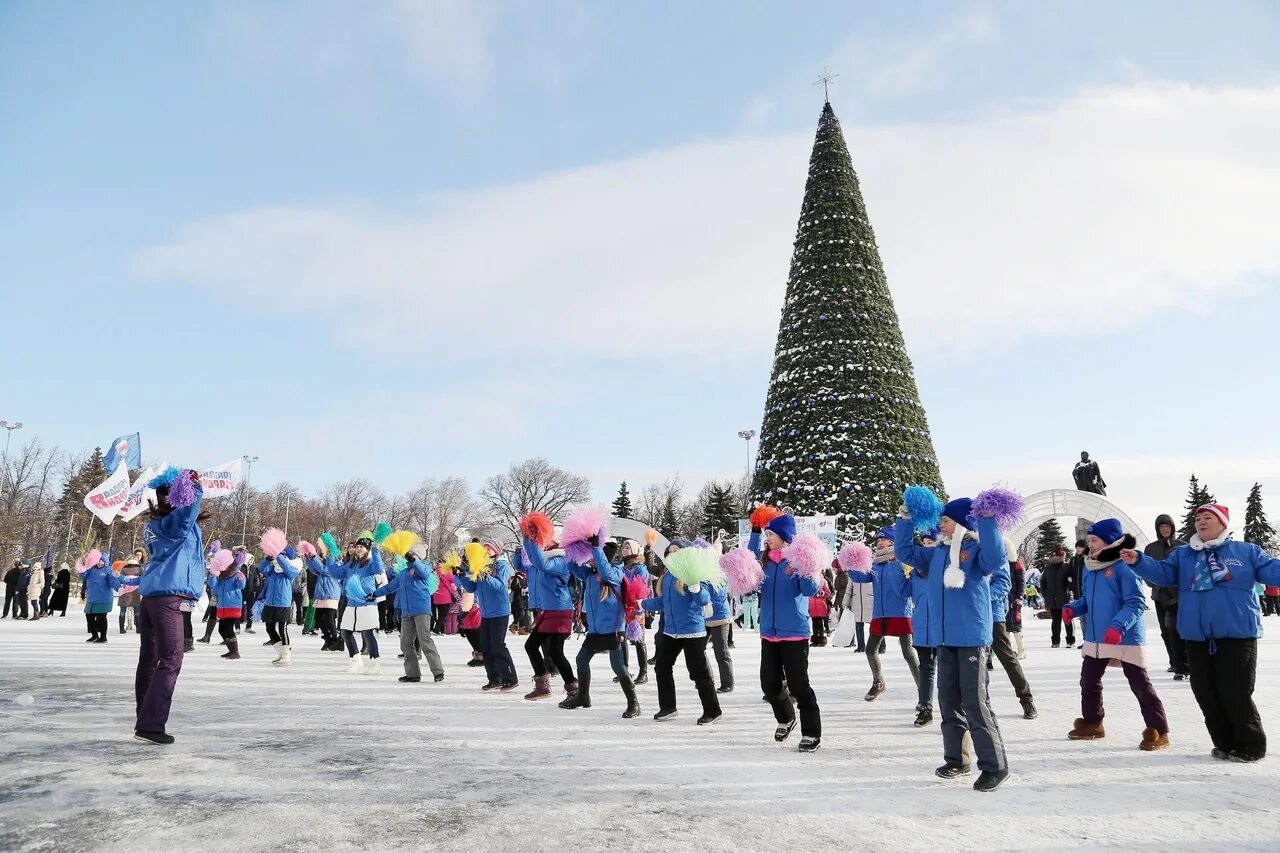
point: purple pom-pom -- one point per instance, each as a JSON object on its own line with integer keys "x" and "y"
{"x": 701, "y": 542}
{"x": 743, "y": 571}
{"x": 1003, "y": 505}
{"x": 215, "y": 546}
{"x": 635, "y": 631}
{"x": 808, "y": 555}
{"x": 242, "y": 558}
{"x": 182, "y": 492}
{"x": 578, "y": 552}
{"x": 923, "y": 506}
{"x": 855, "y": 557}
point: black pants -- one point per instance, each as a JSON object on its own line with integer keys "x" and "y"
{"x": 472, "y": 636}
{"x": 1055, "y": 629}
{"x": 327, "y": 623}
{"x": 784, "y": 668}
{"x": 695, "y": 659}
{"x": 227, "y": 629}
{"x": 497, "y": 657}
{"x": 277, "y": 621}
{"x": 819, "y": 626}
{"x": 387, "y": 614}
{"x": 1222, "y": 680}
{"x": 187, "y": 634}
{"x": 1167, "y": 616}
{"x": 554, "y": 655}
{"x": 97, "y": 625}
{"x": 438, "y": 614}
{"x": 9, "y": 601}
{"x": 299, "y": 605}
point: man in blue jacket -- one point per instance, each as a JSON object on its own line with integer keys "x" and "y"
{"x": 958, "y": 572}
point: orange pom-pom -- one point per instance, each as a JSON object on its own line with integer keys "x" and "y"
{"x": 651, "y": 537}
{"x": 538, "y": 527}
{"x": 763, "y": 514}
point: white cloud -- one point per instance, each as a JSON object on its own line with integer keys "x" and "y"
{"x": 1120, "y": 201}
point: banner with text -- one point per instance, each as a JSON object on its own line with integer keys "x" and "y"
{"x": 139, "y": 493}
{"x": 221, "y": 479}
{"x": 105, "y": 500}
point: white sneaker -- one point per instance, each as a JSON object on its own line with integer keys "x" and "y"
{"x": 286, "y": 657}
{"x": 373, "y": 667}
{"x": 356, "y": 664}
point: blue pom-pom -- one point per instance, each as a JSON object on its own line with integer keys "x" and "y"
{"x": 165, "y": 478}
{"x": 923, "y": 505}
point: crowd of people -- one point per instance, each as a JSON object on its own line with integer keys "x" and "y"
{"x": 943, "y": 583}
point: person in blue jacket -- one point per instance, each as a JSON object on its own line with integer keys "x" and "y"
{"x": 356, "y": 576}
{"x": 549, "y": 598}
{"x": 958, "y": 571}
{"x": 784, "y": 635}
{"x": 171, "y": 584}
{"x": 718, "y": 636}
{"x": 495, "y": 615}
{"x": 891, "y": 609}
{"x": 1113, "y": 603}
{"x": 1221, "y": 621}
{"x": 100, "y": 584}
{"x": 1001, "y": 643}
{"x": 278, "y": 574}
{"x": 413, "y": 589}
{"x": 924, "y": 643}
{"x": 228, "y": 589}
{"x": 602, "y": 601}
{"x": 328, "y": 591}
{"x": 683, "y": 629}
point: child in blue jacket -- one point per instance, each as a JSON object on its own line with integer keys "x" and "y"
{"x": 683, "y": 629}
{"x": 1221, "y": 621}
{"x": 891, "y": 608}
{"x": 784, "y": 636}
{"x": 413, "y": 588}
{"x": 602, "y": 601}
{"x": 228, "y": 590}
{"x": 494, "y": 600}
{"x": 923, "y": 641}
{"x": 1113, "y": 603}
{"x": 957, "y": 572}
{"x": 356, "y": 577}
{"x": 549, "y": 597}
{"x": 278, "y": 574}
{"x": 100, "y": 584}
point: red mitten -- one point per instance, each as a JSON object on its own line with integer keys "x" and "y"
{"x": 1068, "y": 614}
{"x": 1112, "y": 637}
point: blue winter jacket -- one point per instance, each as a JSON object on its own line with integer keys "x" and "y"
{"x": 177, "y": 553}
{"x": 957, "y": 617}
{"x": 548, "y": 579}
{"x": 1001, "y": 583}
{"x": 356, "y": 580}
{"x": 784, "y": 598}
{"x": 681, "y": 611}
{"x": 278, "y": 575}
{"x": 413, "y": 589}
{"x": 327, "y": 586}
{"x": 720, "y": 609}
{"x": 920, "y": 612}
{"x": 1230, "y": 608}
{"x": 100, "y": 584}
{"x": 229, "y": 591}
{"x": 1112, "y": 598}
{"x": 602, "y": 595}
{"x": 891, "y": 591}
{"x": 491, "y": 590}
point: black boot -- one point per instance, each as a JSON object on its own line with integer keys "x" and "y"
{"x": 633, "y": 703}
{"x": 580, "y": 696}
{"x": 643, "y": 654}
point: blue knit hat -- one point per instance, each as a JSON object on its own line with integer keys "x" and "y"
{"x": 1109, "y": 530}
{"x": 784, "y": 526}
{"x": 932, "y": 533}
{"x": 885, "y": 533}
{"x": 959, "y": 511}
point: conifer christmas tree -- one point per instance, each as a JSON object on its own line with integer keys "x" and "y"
{"x": 1197, "y": 496}
{"x": 622, "y": 503}
{"x": 1256, "y": 528}
{"x": 844, "y": 430}
{"x": 1049, "y": 537}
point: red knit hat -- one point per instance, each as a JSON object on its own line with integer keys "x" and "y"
{"x": 1217, "y": 510}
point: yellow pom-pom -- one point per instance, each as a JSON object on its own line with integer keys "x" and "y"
{"x": 478, "y": 560}
{"x": 400, "y": 542}
{"x": 452, "y": 560}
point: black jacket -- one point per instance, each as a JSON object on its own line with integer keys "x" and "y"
{"x": 1160, "y": 549}
{"x": 1056, "y": 585}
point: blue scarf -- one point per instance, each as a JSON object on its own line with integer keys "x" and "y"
{"x": 1209, "y": 571}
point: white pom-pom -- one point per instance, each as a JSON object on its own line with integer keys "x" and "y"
{"x": 953, "y": 577}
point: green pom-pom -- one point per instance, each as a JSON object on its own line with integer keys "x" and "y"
{"x": 696, "y": 565}
{"x": 382, "y": 531}
{"x": 331, "y": 545}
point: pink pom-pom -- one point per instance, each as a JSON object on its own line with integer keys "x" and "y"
{"x": 273, "y": 542}
{"x": 221, "y": 562}
{"x": 306, "y": 549}
{"x": 88, "y": 561}
{"x": 807, "y": 554}
{"x": 578, "y": 528}
{"x": 855, "y": 557}
{"x": 743, "y": 571}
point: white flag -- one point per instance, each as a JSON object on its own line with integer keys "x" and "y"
{"x": 136, "y": 500}
{"x": 221, "y": 479}
{"x": 106, "y": 499}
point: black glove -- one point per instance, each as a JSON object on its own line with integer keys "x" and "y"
{"x": 594, "y": 539}
{"x": 757, "y": 530}
{"x": 371, "y": 597}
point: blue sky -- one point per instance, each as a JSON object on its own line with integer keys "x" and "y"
{"x": 402, "y": 239}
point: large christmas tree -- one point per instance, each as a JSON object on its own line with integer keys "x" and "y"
{"x": 844, "y": 431}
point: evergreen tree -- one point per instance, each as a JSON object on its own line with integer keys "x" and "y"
{"x": 622, "y": 503}
{"x": 1256, "y": 528}
{"x": 90, "y": 474}
{"x": 844, "y": 430}
{"x": 719, "y": 512}
{"x": 1197, "y": 496}
{"x": 1050, "y": 537}
{"x": 669, "y": 526}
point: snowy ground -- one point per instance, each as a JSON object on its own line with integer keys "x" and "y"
{"x": 312, "y": 759}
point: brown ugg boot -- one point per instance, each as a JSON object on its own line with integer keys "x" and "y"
{"x": 1153, "y": 740}
{"x": 1087, "y": 731}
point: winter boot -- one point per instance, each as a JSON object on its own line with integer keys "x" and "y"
{"x": 952, "y": 771}
{"x": 923, "y": 718}
{"x": 373, "y": 666}
{"x": 233, "y": 650}
{"x": 1087, "y": 731}
{"x": 1153, "y": 740}
{"x": 990, "y": 780}
{"x": 643, "y": 654}
{"x": 1029, "y": 709}
{"x": 286, "y": 657}
{"x": 876, "y": 689}
{"x": 810, "y": 744}
{"x": 279, "y": 647}
{"x": 356, "y": 664}
{"x": 477, "y": 659}
{"x": 783, "y": 731}
{"x": 633, "y": 703}
{"x": 541, "y": 689}
{"x": 579, "y": 693}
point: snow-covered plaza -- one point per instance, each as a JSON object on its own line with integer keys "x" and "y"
{"x": 309, "y": 758}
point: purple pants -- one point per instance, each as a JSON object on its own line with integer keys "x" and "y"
{"x": 1091, "y": 693}
{"x": 159, "y": 659}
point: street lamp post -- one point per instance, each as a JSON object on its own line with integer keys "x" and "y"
{"x": 4, "y": 478}
{"x": 746, "y": 435}
{"x": 244, "y": 525}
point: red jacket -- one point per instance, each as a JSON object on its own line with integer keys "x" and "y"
{"x": 820, "y": 604}
{"x": 444, "y": 592}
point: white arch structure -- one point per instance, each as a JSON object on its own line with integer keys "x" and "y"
{"x": 1051, "y": 503}
{"x": 629, "y": 528}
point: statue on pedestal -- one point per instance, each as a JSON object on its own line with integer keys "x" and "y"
{"x": 1088, "y": 475}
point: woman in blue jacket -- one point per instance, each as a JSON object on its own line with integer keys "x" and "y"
{"x": 413, "y": 588}
{"x": 327, "y": 594}
{"x": 1219, "y": 617}
{"x": 891, "y": 609}
{"x": 924, "y": 643}
{"x": 278, "y": 575}
{"x": 495, "y": 615}
{"x": 553, "y": 623}
{"x": 602, "y": 601}
{"x": 228, "y": 588}
{"x": 957, "y": 571}
{"x": 784, "y": 636}
{"x": 356, "y": 576}
{"x": 683, "y": 629}
{"x": 1113, "y": 603}
{"x": 100, "y": 584}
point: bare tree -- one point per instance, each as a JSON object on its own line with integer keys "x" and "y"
{"x": 654, "y": 498}
{"x": 438, "y": 510}
{"x": 529, "y": 485}
{"x": 350, "y": 506}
